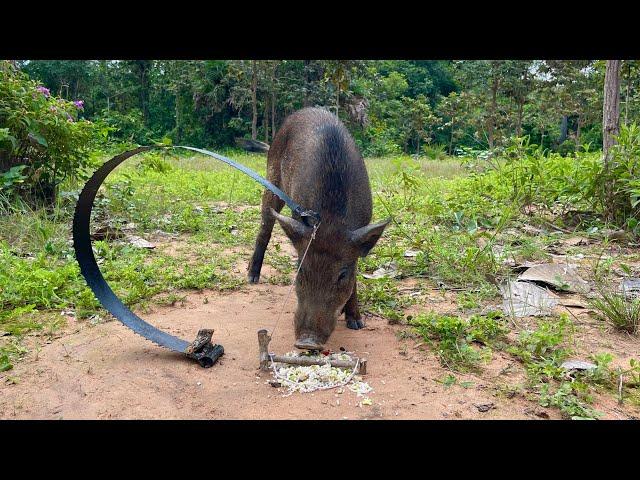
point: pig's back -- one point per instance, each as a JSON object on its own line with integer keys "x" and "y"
{"x": 321, "y": 168}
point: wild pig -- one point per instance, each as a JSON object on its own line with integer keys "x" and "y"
{"x": 314, "y": 159}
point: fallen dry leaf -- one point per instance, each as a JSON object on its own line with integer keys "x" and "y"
{"x": 524, "y": 299}
{"x": 139, "y": 242}
{"x": 563, "y": 277}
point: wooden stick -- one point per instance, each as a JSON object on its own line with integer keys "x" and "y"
{"x": 263, "y": 344}
{"x": 620, "y": 384}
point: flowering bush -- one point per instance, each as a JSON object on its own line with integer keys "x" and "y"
{"x": 42, "y": 140}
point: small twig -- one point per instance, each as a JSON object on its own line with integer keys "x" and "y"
{"x": 620, "y": 384}
{"x": 546, "y": 222}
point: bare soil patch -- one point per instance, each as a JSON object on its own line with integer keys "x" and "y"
{"x": 106, "y": 371}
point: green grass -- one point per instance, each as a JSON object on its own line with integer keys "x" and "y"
{"x": 465, "y": 344}
{"x": 463, "y": 226}
{"x": 180, "y": 195}
{"x": 38, "y": 271}
{"x": 438, "y": 207}
{"x": 616, "y": 308}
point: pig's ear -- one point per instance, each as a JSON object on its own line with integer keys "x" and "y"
{"x": 294, "y": 229}
{"x": 366, "y": 237}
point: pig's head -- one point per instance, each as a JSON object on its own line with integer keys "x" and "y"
{"x": 327, "y": 276}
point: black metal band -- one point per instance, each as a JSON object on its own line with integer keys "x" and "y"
{"x": 201, "y": 349}
{"x": 309, "y": 216}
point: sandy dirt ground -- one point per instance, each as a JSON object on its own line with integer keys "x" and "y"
{"x": 105, "y": 371}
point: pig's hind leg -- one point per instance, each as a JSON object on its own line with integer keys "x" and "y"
{"x": 269, "y": 200}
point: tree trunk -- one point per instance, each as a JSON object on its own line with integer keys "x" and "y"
{"x": 265, "y": 121}
{"x": 144, "y": 66}
{"x": 179, "y": 114}
{"x": 610, "y": 126}
{"x": 273, "y": 101}
{"x": 519, "y": 124}
{"x": 451, "y": 139}
{"x": 492, "y": 112}
{"x": 254, "y": 101}
{"x": 273, "y": 114}
{"x": 307, "y": 83}
{"x": 626, "y": 100}
{"x": 522, "y": 100}
{"x": 611, "y": 110}
{"x": 563, "y": 129}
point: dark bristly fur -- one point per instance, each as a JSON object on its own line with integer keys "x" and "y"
{"x": 315, "y": 161}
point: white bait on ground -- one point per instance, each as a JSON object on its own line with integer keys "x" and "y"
{"x": 306, "y": 379}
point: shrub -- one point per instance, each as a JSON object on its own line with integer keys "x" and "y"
{"x": 523, "y": 173}
{"x": 622, "y": 179}
{"x": 42, "y": 140}
{"x": 435, "y": 151}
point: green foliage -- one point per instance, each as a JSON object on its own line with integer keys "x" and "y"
{"x": 542, "y": 351}
{"x": 543, "y": 345}
{"x": 524, "y": 174}
{"x": 155, "y": 162}
{"x": 381, "y": 296}
{"x": 449, "y": 380}
{"x": 434, "y": 152}
{"x": 127, "y": 126}
{"x": 12, "y": 178}
{"x": 9, "y": 352}
{"x": 392, "y": 106}
{"x": 565, "y": 398}
{"x": 38, "y": 272}
{"x": 452, "y": 337}
{"x": 5, "y": 364}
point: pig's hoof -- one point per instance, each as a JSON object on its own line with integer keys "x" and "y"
{"x": 308, "y": 344}
{"x": 253, "y": 278}
{"x": 354, "y": 324}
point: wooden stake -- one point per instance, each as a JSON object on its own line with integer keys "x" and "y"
{"x": 263, "y": 344}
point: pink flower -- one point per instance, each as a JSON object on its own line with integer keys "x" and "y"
{"x": 45, "y": 91}
{"x": 69, "y": 118}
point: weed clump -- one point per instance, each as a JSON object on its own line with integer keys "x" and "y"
{"x": 542, "y": 352}
{"x": 453, "y": 337}
{"x": 616, "y": 306}
{"x": 623, "y": 313}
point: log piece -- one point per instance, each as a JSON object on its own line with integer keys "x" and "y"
{"x": 263, "y": 343}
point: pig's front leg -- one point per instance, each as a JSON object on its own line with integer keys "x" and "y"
{"x": 269, "y": 200}
{"x": 352, "y": 311}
